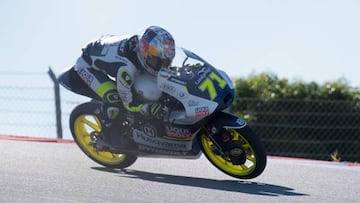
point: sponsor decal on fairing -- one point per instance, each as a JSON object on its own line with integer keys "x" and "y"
{"x": 167, "y": 88}
{"x": 202, "y": 111}
{"x": 142, "y": 138}
{"x": 178, "y": 133}
{"x": 162, "y": 151}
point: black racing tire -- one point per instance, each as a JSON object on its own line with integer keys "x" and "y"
{"x": 83, "y": 121}
{"x": 251, "y": 145}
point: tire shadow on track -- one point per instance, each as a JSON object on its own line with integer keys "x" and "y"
{"x": 241, "y": 186}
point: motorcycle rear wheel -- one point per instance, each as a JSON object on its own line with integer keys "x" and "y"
{"x": 83, "y": 122}
{"x": 254, "y": 151}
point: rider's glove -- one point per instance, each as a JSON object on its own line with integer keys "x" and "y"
{"x": 158, "y": 110}
{"x": 111, "y": 104}
{"x": 108, "y": 114}
{"x": 110, "y": 111}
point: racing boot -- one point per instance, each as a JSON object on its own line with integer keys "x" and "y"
{"x": 109, "y": 112}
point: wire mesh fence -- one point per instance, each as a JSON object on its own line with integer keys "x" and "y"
{"x": 24, "y": 105}
{"x": 27, "y": 106}
{"x": 316, "y": 129}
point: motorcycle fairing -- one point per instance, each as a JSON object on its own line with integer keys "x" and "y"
{"x": 164, "y": 140}
{"x": 164, "y": 135}
{"x": 202, "y": 79}
{"x": 157, "y": 152}
{"x": 196, "y": 108}
{"x": 198, "y": 86}
{"x": 160, "y": 142}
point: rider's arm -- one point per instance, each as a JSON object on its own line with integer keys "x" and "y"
{"x": 125, "y": 80}
{"x": 97, "y": 62}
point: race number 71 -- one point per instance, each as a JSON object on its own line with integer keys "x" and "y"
{"x": 208, "y": 84}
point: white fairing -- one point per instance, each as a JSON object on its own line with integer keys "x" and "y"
{"x": 196, "y": 108}
{"x": 146, "y": 87}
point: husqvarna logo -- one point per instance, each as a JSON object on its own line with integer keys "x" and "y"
{"x": 149, "y": 131}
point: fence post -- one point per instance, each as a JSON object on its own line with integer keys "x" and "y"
{"x": 57, "y": 104}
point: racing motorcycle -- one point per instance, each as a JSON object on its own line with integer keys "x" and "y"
{"x": 198, "y": 97}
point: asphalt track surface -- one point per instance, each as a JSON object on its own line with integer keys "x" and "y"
{"x": 43, "y": 170}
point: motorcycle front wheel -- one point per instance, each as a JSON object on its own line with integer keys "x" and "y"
{"x": 83, "y": 122}
{"x": 254, "y": 161}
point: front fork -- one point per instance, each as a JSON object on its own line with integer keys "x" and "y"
{"x": 219, "y": 138}
{"x": 225, "y": 145}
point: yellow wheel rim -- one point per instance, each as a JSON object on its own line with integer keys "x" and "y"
{"x": 86, "y": 124}
{"x": 224, "y": 163}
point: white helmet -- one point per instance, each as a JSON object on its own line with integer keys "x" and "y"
{"x": 156, "y": 49}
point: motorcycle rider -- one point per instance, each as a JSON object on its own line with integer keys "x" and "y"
{"x": 124, "y": 58}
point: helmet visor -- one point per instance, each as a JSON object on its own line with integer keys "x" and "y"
{"x": 157, "y": 63}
